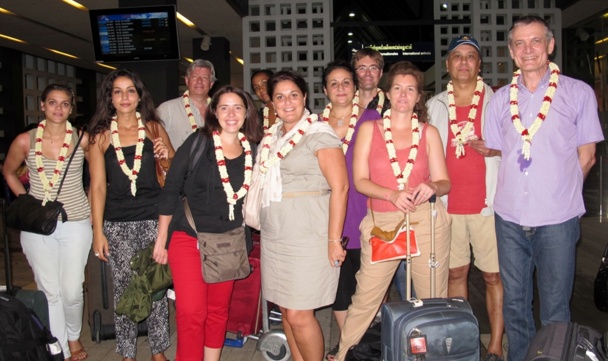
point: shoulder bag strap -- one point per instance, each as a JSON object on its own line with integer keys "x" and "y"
{"x": 69, "y": 162}
{"x": 188, "y": 213}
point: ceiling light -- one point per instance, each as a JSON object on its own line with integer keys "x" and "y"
{"x": 62, "y": 53}
{"x": 76, "y": 5}
{"x": 351, "y": 14}
{"x": 189, "y": 60}
{"x": 350, "y": 41}
{"x": 350, "y": 33}
{"x": 106, "y": 66}
{"x": 444, "y": 5}
{"x": 4, "y": 11}
{"x": 12, "y": 39}
{"x": 601, "y": 41}
{"x": 185, "y": 20}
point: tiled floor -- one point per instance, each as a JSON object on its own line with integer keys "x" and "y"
{"x": 594, "y": 237}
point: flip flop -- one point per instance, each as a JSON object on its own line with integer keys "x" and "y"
{"x": 79, "y": 355}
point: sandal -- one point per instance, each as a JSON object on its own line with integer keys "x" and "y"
{"x": 332, "y": 353}
{"x": 79, "y": 355}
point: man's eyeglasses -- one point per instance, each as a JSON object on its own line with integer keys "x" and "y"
{"x": 363, "y": 69}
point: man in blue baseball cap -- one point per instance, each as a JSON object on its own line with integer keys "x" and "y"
{"x": 473, "y": 169}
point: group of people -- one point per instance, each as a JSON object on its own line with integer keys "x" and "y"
{"x": 371, "y": 157}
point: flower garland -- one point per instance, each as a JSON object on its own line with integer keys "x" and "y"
{"x": 266, "y": 161}
{"x": 186, "y": 100}
{"x": 266, "y": 121}
{"x": 528, "y": 134}
{"x": 380, "y": 100}
{"x": 232, "y": 197}
{"x": 354, "y": 117}
{"x": 139, "y": 150}
{"x": 461, "y": 135}
{"x": 402, "y": 176}
{"x": 46, "y": 184}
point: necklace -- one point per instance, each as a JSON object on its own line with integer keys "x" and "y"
{"x": 46, "y": 184}
{"x": 266, "y": 160}
{"x": 402, "y": 176}
{"x": 354, "y": 117}
{"x": 528, "y": 134}
{"x": 461, "y": 136}
{"x": 380, "y": 100}
{"x": 186, "y": 100}
{"x": 139, "y": 150}
{"x": 232, "y": 197}
{"x": 266, "y": 121}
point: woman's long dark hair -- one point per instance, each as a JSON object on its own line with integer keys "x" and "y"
{"x": 251, "y": 128}
{"x": 100, "y": 122}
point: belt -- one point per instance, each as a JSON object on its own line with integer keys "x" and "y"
{"x": 305, "y": 194}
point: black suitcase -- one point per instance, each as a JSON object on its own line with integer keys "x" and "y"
{"x": 566, "y": 342}
{"x": 100, "y": 301}
{"x": 35, "y": 300}
{"x": 431, "y": 329}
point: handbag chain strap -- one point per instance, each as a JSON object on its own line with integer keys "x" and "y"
{"x": 69, "y": 162}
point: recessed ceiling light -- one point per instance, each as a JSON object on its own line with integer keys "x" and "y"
{"x": 350, "y": 33}
{"x": 351, "y": 14}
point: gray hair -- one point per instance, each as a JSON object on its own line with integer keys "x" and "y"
{"x": 531, "y": 19}
{"x": 200, "y": 63}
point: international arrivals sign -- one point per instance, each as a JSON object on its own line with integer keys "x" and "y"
{"x": 414, "y": 52}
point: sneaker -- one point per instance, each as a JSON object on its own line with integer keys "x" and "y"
{"x": 493, "y": 357}
{"x": 332, "y": 353}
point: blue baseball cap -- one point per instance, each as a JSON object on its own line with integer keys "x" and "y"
{"x": 462, "y": 40}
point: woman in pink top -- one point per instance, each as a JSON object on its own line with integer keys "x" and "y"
{"x": 405, "y": 184}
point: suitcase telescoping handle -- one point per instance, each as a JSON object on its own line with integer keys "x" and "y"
{"x": 433, "y": 264}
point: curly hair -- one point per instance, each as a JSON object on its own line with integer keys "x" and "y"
{"x": 100, "y": 121}
{"x": 339, "y": 64}
{"x": 407, "y": 68}
{"x": 251, "y": 128}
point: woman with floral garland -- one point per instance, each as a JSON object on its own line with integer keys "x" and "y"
{"x": 345, "y": 116}
{"x": 125, "y": 194}
{"x": 259, "y": 85}
{"x": 304, "y": 193}
{"x": 57, "y": 260}
{"x": 395, "y": 188}
{"x": 231, "y": 128}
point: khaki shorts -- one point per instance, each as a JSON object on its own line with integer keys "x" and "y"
{"x": 477, "y": 232}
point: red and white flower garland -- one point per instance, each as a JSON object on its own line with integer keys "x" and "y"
{"x": 266, "y": 120}
{"x": 266, "y": 160}
{"x": 139, "y": 150}
{"x": 380, "y": 100}
{"x": 231, "y": 196}
{"x": 461, "y": 135}
{"x": 402, "y": 176}
{"x": 46, "y": 184}
{"x": 528, "y": 134}
{"x": 186, "y": 100}
{"x": 354, "y": 117}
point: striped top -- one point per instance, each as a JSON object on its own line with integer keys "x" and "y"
{"x": 72, "y": 195}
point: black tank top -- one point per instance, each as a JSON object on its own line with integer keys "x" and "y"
{"x": 121, "y": 205}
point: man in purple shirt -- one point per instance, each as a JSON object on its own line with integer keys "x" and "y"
{"x": 546, "y": 126}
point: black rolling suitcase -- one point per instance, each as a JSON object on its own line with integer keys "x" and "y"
{"x": 100, "y": 301}
{"x": 566, "y": 342}
{"x": 431, "y": 329}
{"x": 24, "y": 317}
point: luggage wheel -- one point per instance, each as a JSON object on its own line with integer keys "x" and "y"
{"x": 273, "y": 345}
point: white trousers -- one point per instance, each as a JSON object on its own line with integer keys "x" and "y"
{"x": 58, "y": 263}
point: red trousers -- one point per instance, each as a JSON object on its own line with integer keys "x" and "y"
{"x": 202, "y": 308}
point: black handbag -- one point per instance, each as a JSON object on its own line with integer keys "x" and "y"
{"x": 27, "y": 213}
{"x": 600, "y": 290}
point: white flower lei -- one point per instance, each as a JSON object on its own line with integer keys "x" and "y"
{"x": 380, "y": 100}
{"x": 232, "y": 197}
{"x": 528, "y": 134}
{"x": 186, "y": 100}
{"x": 139, "y": 150}
{"x": 46, "y": 184}
{"x": 354, "y": 117}
{"x": 266, "y": 161}
{"x": 402, "y": 176}
{"x": 461, "y": 136}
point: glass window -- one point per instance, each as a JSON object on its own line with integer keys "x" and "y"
{"x": 286, "y": 40}
{"x": 302, "y": 56}
{"x": 285, "y": 24}
{"x": 255, "y": 58}
{"x": 254, "y": 42}
{"x": 285, "y": 9}
{"x": 317, "y": 8}
{"x": 254, "y": 10}
{"x": 254, "y": 26}
{"x": 317, "y": 39}
{"x": 500, "y": 20}
{"x": 301, "y": 24}
{"x": 317, "y": 23}
{"x": 300, "y": 9}
{"x": 270, "y": 10}
{"x": 286, "y": 56}
{"x": 271, "y": 57}
{"x": 302, "y": 40}
{"x": 271, "y": 41}
{"x": 271, "y": 26}
{"x": 318, "y": 55}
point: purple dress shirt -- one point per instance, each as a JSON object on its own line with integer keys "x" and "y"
{"x": 546, "y": 189}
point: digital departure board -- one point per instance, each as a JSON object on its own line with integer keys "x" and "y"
{"x": 135, "y": 34}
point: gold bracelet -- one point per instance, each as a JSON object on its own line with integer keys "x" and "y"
{"x": 334, "y": 240}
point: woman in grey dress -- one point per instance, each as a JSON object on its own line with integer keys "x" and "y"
{"x": 304, "y": 196}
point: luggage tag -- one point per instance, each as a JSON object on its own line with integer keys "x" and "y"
{"x": 416, "y": 343}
